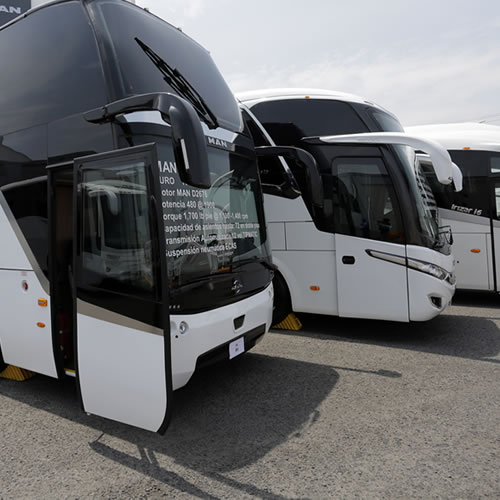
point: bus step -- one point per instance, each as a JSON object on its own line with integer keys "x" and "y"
{"x": 291, "y": 322}
{"x": 15, "y": 373}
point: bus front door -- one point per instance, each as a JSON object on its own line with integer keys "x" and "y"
{"x": 370, "y": 253}
{"x": 495, "y": 228}
{"x": 121, "y": 320}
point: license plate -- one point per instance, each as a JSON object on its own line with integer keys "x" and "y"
{"x": 236, "y": 348}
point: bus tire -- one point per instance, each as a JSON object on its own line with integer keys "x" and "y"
{"x": 282, "y": 306}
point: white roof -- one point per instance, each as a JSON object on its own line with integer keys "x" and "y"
{"x": 481, "y": 136}
{"x": 253, "y": 96}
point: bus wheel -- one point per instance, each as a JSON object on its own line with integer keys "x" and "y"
{"x": 282, "y": 306}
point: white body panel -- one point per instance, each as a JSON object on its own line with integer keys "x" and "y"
{"x": 23, "y": 343}
{"x": 211, "y": 329}
{"x": 305, "y": 236}
{"x": 474, "y": 269}
{"x": 302, "y": 270}
{"x": 370, "y": 288}
{"x": 121, "y": 372}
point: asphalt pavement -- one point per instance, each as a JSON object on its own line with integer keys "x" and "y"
{"x": 342, "y": 409}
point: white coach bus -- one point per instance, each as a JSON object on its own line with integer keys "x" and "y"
{"x": 473, "y": 213}
{"x": 373, "y": 249}
{"x": 134, "y": 246}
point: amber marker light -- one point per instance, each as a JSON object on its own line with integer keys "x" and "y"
{"x": 476, "y": 250}
{"x": 43, "y": 302}
{"x": 467, "y": 147}
{"x": 40, "y": 325}
{"x": 314, "y": 288}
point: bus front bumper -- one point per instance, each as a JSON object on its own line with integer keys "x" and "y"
{"x": 199, "y": 339}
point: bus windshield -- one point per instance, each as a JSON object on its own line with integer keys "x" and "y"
{"x": 425, "y": 208}
{"x": 418, "y": 185}
{"x": 215, "y": 230}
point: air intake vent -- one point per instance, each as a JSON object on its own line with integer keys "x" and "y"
{"x": 238, "y": 322}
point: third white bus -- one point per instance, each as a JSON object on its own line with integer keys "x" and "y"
{"x": 474, "y": 213}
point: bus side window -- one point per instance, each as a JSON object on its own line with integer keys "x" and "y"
{"x": 43, "y": 79}
{"x": 364, "y": 200}
{"x": 270, "y": 168}
{"x": 474, "y": 198}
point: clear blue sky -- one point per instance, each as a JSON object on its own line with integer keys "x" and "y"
{"x": 427, "y": 61}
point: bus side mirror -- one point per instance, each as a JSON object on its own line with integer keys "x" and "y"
{"x": 304, "y": 160}
{"x": 190, "y": 145}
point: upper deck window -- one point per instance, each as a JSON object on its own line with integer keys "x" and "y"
{"x": 288, "y": 120}
{"x": 49, "y": 67}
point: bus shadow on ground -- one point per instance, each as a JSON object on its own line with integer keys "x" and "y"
{"x": 469, "y": 337}
{"x": 226, "y": 418}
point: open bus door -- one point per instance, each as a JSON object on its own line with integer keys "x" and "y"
{"x": 121, "y": 319}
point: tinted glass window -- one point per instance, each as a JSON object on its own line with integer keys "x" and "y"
{"x": 129, "y": 25}
{"x": 364, "y": 201}
{"x": 49, "y": 67}
{"x": 474, "y": 197}
{"x": 495, "y": 164}
{"x": 287, "y": 121}
{"x": 23, "y": 180}
{"x": 28, "y": 202}
{"x": 117, "y": 237}
{"x": 272, "y": 171}
{"x": 386, "y": 122}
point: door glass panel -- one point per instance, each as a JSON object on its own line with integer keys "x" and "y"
{"x": 497, "y": 201}
{"x": 117, "y": 242}
{"x": 364, "y": 200}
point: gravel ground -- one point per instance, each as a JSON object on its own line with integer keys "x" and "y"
{"x": 342, "y": 409}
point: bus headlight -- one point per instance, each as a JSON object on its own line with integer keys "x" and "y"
{"x": 419, "y": 265}
{"x": 432, "y": 269}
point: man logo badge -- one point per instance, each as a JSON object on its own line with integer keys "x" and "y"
{"x": 237, "y": 286}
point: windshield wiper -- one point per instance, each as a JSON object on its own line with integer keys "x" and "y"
{"x": 181, "y": 85}
{"x": 196, "y": 282}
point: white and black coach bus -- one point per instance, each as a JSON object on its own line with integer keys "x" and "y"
{"x": 373, "y": 249}
{"x": 134, "y": 246}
